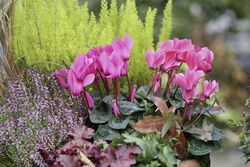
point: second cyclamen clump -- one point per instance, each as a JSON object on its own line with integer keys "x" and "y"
{"x": 169, "y": 58}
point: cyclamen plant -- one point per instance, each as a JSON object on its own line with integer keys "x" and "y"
{"x": 184, "y": 122}
{"x": 106, "y": 63}
{"x": 110, "y": 62}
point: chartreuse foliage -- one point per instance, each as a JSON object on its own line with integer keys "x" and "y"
{"x": 56, "y": 31}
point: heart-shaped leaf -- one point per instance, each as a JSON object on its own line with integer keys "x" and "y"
{"x": 118, "y": 122}
{"x": 99, "y": 116}
{"x": 199, "y": 147}
{"x": 149, "y": 124}
{"x": 128, "y": 108}
{"x": 143, "y": 91}
{"x": 104, "y": 132}
{"x": 110, "y": 98}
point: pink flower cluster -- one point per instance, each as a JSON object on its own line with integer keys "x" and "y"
{"x": 169, "y": 58}
{"x": 104, "y": 63}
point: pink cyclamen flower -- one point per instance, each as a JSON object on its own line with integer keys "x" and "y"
{"x": 61, "y": 76}
{"x": 83, "y": 66}
{"x": 170, "y": 62}
{"x": 124, "y": 71}
{"x": 89, "y": 99}
{"x": 81, "y": 74}
{"x": 209, "y": 87}
{"x": 133, "y": 93}
{"x": 179, "y": 46}
{"x": 104, "y": 63}
{"x": 188, "y": 95}
{"x": 115, "y": 109}
{"x": 115, "y": 66}
{"x": 189, "y": 79}
{"x": 188, "y": 82}
{"x": 123, "y": 47}
{"x": 154, "y": 59}
{"x": 156, "y": 82}
{"x": 200, "y": 59}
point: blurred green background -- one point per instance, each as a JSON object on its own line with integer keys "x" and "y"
{"x": 224, "y": 27}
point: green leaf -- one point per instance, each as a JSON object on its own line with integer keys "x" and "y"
{"x": 166, "y": 126}
{"x": 110, "y": 98}
{"x": 128, "y": 108}
{"x": 118, "y": 122}
{"x": 99, "y": 116}
{"x": 143, "y": 91}
{"x": 217, "y": 134}
{"x": 199, "y": 147}
{"x": 167, "y": 157}
{"x": 104, "y": 132}
{"x": 117, "y": 140}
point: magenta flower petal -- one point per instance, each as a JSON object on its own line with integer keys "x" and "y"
{"x": 127, "y": 42}
{"x": 90, "y": 100}
{"x": 115, "y": 109}
{"x": 61, "y": 75}
{"x": 124, "y": 70}
{"x": 89, "y": 79}
{"x": 200, "y": 59}
{"x": 133, "y": 94}
{"x": 115, "y": 66}
{"x": 123, "y": 47}
{"x": 209, "y": 87}
{"x": 104, "y": 62}
{"x": 154, "y": 59}
{"x": 188, "y": 82}
{"x": 156, "y": 82}
{"x": 188, "y": 95}
{"x": 74, "y": 83}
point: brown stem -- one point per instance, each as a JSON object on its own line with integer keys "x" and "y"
{"x": 98, "y": 87}
{"x": 169, "y": 82}
{"x": 104, "y": 82}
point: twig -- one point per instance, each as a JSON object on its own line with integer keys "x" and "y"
{"x": 201, "y": 113}
{"x": 85, "y": 159}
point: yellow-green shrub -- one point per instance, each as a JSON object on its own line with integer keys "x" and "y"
{"x": 49, "y": 32}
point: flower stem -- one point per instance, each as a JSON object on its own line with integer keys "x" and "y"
{"x": 184, "y": 113}
{"x": 104, "y": 82}
{"x": 175, "y": 92}
{"x": 98, "y": 87}
{"x": 84, "y": 98}
{"x": 116, "y": 88}
{"x": 129, "y": 86}
{"x": 170, "y": 78}
{"x": 149, "y": 91}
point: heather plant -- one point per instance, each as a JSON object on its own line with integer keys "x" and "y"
{"x": 51, "y": 32}
{"x": 35, "y": 112}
